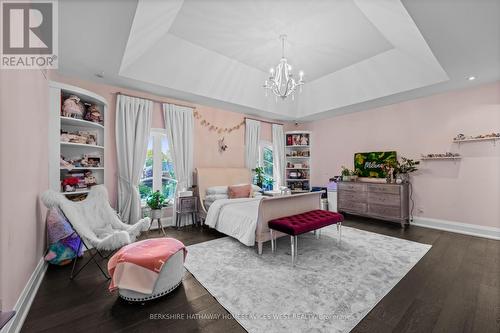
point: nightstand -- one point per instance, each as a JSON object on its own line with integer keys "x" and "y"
{"x": 186, "y": 205}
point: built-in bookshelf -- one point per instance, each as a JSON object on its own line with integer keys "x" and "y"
{"x": 298, "y": 161}
{"x": 77, "y": 142}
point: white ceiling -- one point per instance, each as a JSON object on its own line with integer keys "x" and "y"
{"x": 323, "y": 36}
{"x": 356, "y": 53}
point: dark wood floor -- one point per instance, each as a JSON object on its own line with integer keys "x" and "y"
{"x": 454, "y": 288}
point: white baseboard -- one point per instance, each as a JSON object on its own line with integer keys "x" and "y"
{"x": 24, "y": 301}
{"x": 458, "y": 227}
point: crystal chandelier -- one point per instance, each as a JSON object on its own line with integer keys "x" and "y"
{"x": 281, "y": 81}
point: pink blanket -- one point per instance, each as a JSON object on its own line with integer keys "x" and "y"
{"x": 137, "y": 266}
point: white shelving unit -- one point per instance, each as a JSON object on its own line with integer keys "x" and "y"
{"x": 58, "y": 92}
{"x": 298, "y": 161}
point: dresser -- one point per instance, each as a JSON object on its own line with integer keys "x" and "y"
{"x": 388, "y": 202}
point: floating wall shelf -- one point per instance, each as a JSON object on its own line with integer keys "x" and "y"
{"x": 441, "y": 158}
{"x": 492, "y": 139}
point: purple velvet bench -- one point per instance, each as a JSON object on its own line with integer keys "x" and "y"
{"x": 295, "y": 225}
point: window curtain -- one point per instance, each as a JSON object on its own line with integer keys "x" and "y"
{"x": 179, "y": 124}
{"x": 278, "y": 156}
{"x": 133, "y": 124}
{"x": 252, "y": 139}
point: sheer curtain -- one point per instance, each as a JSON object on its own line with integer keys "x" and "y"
{"x": 133, "y": 124}
{"x": 252, "y": 140}
{"x": 179, "y": 124}
{"x": 278, "y": 156}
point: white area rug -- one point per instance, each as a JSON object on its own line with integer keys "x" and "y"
{"x": 330, "y": 289}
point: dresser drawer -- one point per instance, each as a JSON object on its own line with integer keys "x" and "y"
{"x": 346, "y": 186}
{"x": 384, "y": 211}
{"x": 384, "y": 199}
{"x": 381, "y": 188}
{"x": 352, "y": 196}
{"x": 352, "y": 206}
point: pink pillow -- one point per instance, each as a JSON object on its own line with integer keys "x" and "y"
{"x": 239, "y": 191}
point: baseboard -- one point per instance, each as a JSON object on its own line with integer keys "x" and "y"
{"x": 458, "y": 227}
{"x": 24, "y": 301}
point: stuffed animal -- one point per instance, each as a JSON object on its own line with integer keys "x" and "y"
{"x": 72, "y": 107}
{"x": 93, "y": 114}
{"x": 89, "y": 179}
{"x": 69, "y": 184}
{"x": 65, "y": 164}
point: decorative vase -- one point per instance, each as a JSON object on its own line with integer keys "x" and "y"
{"x": 346, "y": 178}
{"x": 405, "y": 177}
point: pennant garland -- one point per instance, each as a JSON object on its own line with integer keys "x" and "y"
{"x": 212, "y": 127}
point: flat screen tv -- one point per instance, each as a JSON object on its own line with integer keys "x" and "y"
{"x": 370, "y": 164}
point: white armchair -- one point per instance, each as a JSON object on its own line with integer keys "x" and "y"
{"x": 96, "y": 222}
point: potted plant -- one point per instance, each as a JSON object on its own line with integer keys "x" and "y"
{"x": 156, "y": 201}
{"x": 404, "y": 168}
{"x": 355, "y": 174}
{"x": 346, "y": 174}
{"x": 259, "y": 176}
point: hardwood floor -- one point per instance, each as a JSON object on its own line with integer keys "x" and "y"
{"x": 454, "y": 288}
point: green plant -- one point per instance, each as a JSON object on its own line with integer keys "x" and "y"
{"x": 156, "y": 200}
{"x": 406, "y": 166}
{"x": 259, "y": 176}
{"x": 345, "y": 172}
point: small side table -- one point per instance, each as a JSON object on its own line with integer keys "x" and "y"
{"x": 186, "y": 205}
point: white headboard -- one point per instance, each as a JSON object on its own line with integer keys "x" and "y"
{"x": 207, "y": 177}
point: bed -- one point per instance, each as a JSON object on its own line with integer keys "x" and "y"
{"x": 246, "y": 220}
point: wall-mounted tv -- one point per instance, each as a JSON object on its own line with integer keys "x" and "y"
{"x": 370, "y": 164}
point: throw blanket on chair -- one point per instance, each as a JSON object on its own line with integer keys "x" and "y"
{"x": 64, "y": 243}
{"x": 137, "y": 266}
{"x": 95, "y": 220}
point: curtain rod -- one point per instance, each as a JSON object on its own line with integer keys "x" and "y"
{"x": 189, "y": 106}
{"x": 265, "y": 121}
{"x": 155, "y": 100}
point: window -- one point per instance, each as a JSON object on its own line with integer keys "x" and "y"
{"x": 266, "y": 162}
{"x": 158, "y": 173}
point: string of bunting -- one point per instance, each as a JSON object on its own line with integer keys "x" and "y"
{"x": 213, "y": 127}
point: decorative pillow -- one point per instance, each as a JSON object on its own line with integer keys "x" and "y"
{"x": 239, "y": 191}
{"x": 216, "y": 190}
{"x": 213, "y": 197}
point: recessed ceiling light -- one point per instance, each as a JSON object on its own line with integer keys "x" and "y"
{"x": 471, "y": 78}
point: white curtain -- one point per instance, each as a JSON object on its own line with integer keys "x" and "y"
{"x": 252, "y": 139}
{"x": 179, "y": 124}
{"x": 133, "y": 124}
{"x": 278, "y": 156}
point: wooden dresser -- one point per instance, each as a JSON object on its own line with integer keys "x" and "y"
{"x": 378, "y": 200}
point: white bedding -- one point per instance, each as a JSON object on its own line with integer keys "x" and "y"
{"x": 235, "y": 217}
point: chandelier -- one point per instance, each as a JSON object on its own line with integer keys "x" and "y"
{"x": 281, "y": 81}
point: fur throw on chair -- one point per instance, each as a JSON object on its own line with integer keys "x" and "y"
{"x": 95, "y": 220}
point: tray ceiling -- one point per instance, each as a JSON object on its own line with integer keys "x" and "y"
{"x": 350, "y": 50}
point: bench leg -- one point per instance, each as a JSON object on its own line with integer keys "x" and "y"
{"x": 292, "y": 245}
{"x": 317, "y": 232}
{"x": 273, "y": 243}
{"x": 339, "y": 229}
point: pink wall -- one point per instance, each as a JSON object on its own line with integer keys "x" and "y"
{"x": 467, "y": 191}
{"x": 206, "y": 152}
{"x": 23, "y": 176}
